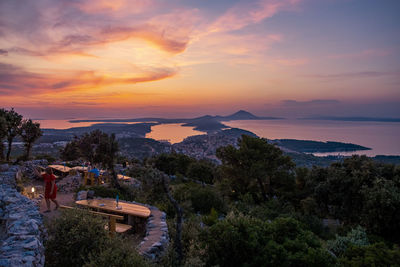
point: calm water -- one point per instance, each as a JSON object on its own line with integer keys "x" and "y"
{"x": 173, "y": 133}
{"x": 382, "y": 137}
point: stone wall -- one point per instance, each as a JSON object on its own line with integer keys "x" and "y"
{"x": 156, "y": 240}
{"x": 21, "y": 224}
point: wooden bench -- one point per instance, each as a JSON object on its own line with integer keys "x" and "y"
{"x": 112, "y": 226}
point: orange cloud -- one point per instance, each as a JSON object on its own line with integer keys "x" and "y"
{"x": 15, "y": 80}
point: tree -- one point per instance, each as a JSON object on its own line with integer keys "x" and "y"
{"x": 29, "y": 132}
{"x": 256, "y": 166}
{"x": 201, "y": 170}
{"x": 173, "y": 163}
{"x": 96, "y": 147}
{"x": 70, "y": 151}
{"x": 13, "y": 122}
{"x": 106, "y": 154}
{"x": 3, "y": 134}
{"x": 359, "y": 191}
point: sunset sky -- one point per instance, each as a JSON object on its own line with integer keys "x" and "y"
{"x": 179, "y": 58}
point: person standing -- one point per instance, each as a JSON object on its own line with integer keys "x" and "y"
{"x": 50, "y": 192}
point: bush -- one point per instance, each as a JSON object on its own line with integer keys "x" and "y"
{"x": 73, "y": 236}
{"x": 356, "y": 237}
{"x": 245, "y": 241}
{"x": 124, "y": 193}
{"x": 205, "y": 198}
{"x": 211, "y": 218}
{"x": 118, "y": 253}
{"x": 78, "y": 238}
{"x": 373, "y": 255}
{"x": 202, "y": 171}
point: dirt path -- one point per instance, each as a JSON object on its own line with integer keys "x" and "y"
{"x": 62, "y": 198}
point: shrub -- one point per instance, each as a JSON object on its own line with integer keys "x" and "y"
{"x": 118, "y": 253}
{"x": 205, "y": 198}
{"x": 373, "y": 255}
{"x": 124, "y": 193}
{"x": 356, "y": 237}
{"x": 73, "y": 236}
{"x": 211, "y": 218}
{"x": 202, "y": 171}
{"x": 245, "y": 241}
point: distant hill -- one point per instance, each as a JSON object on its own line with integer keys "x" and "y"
{"x": 241, "y": 115}
{"x": 207, "y": 123}
{"x": 244, "y": 115}
{"x": 308, "y": 146}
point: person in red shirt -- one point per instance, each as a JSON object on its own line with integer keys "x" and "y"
{"x": 50, "y": 191}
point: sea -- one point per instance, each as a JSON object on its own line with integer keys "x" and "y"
{"x": 382, "y": 137}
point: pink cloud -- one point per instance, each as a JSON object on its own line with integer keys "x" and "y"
{"x": 245, "y": 13}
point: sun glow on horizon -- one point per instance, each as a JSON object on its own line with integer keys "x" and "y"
{"x": 127, "y": 55}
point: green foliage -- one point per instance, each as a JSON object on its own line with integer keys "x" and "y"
{"x": 373, "y": 255}
{"x": 118, "y": 253}
{"x": 245, "y": 241}
{"x": 206, "y": 198}
{"x": 356, "y": 237}
{"x": 77, "y": 238}
{"x": 3, "y": 134}
{"x": 29, "y": 131}
{"x": 151, "y": 185}
{"x": 173, "y": 164}
{"x": 198, "y": 198}
{"x": 96, "y": 147}
{"x": 13, "y": 121}
{"x": 73, "y": 236}
{"x": 256, "y": 167}
{"x": 125, "y": 192}
{"x": 202, "y": 171}
{"x": 70, "y": 151}
{"x": 359, "y": 191}
{"x": 211, "y": 218}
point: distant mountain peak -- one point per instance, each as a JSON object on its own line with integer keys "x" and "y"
{"x": 242, "y": 114}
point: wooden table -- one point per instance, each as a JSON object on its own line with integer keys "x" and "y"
{"x": 132, "y": 210}
{"x": 137, "y": 214}
{"x": 60, "y": 168}
{"x": 80, "y": 168}
{"x": 124, "y": 177}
